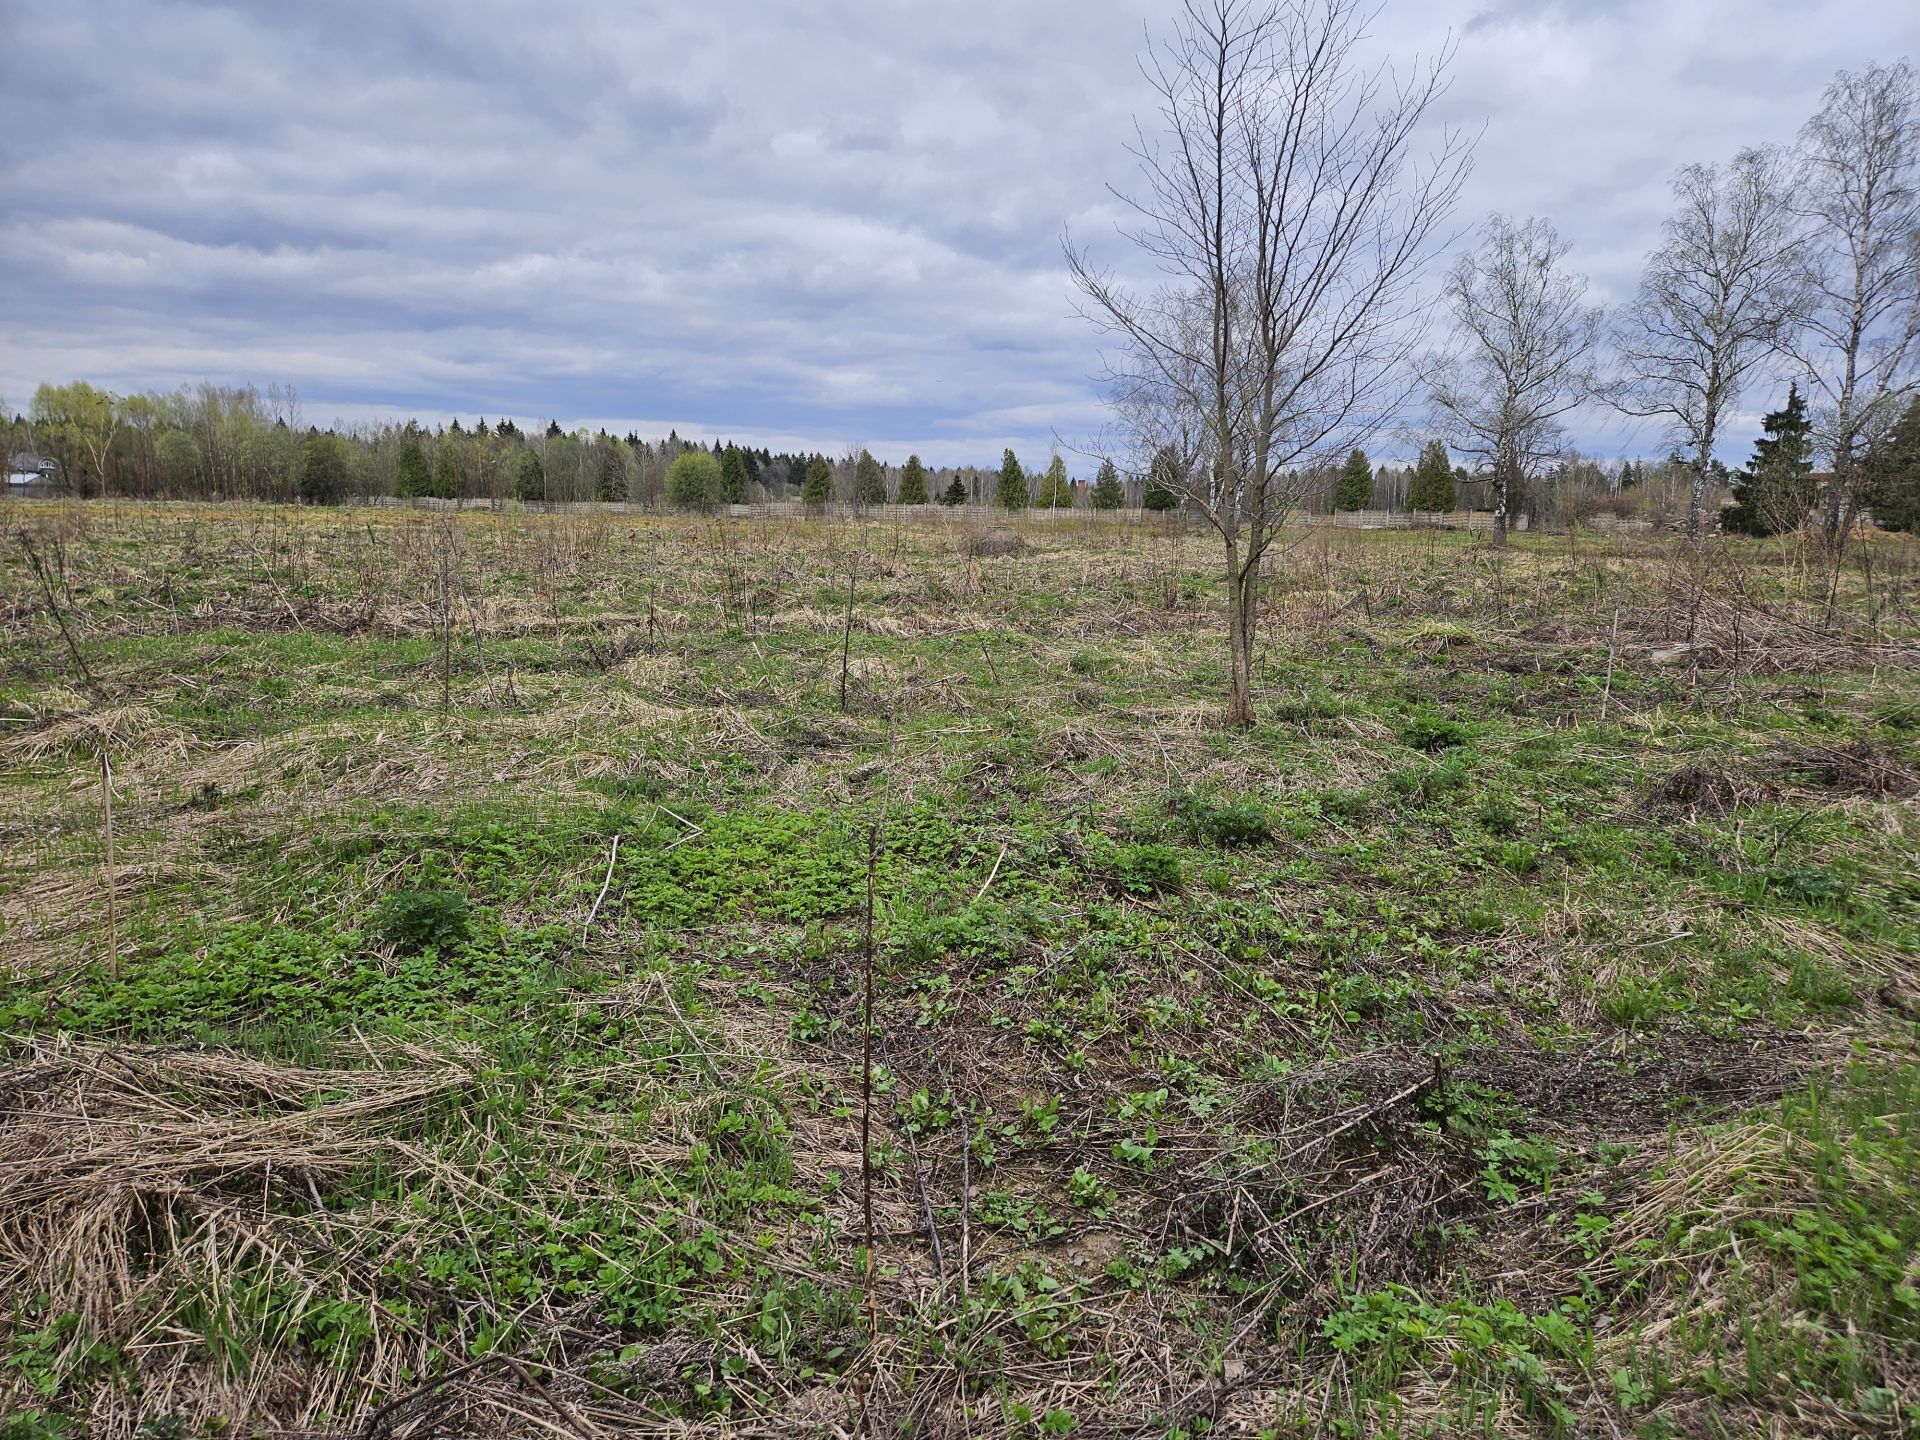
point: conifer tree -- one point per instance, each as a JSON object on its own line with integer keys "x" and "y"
{"x": 1354, "y": 489}
{"x": 869, "y": 480}
{"x": 1775, "y": 491}
{"x": 446, "y": 468}
{"x": 1011, "y": 492}
{"x": 733, "y": 475}
{"x": 529, "y": 476}
{"x": 817, "y": 488}
{"x": 913, "y": 483}
{"x": 410, "y": 477}
{"x": 956, "y": 491}
{"x": 1056, "y": 490}
{"x": 553, "y": 430}
{"x": 1108, "y": 493}
{"x": 1890, "y": 488}
{"x": 1163, "y": 481}
{"x": 611, "y": 481}
{"x": 1431, "y": 490}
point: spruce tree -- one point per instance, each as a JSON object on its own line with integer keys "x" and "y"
{"x": 529, "y": 476}
{"x": 913, "y": 483}
{"x": 410, "y": 477}
{"x": 1163, "y": 481}
{"x": 446, "y": 469}
{"x": 1354, "y": 489}
{"x": 611, "y": 482}
{"x": 1775, "y": 491}
{"x": 733, "y": 475}
{"x": 1056, "y": 490}
{"x": 1431, "y": 490}
{"x": 956, "y": 491}
{"x": 553, "y": 430}
{"x": 1108, "y": 493}
{"x": 1011, "y": 492}
{"x": 869, "y": 480}
{"x": 1890, "y": 479}
{"x": 817, "y": 488}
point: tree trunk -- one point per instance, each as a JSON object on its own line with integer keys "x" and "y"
{"x": 1505, "y": 470}
{"x": 1243, "y": 585}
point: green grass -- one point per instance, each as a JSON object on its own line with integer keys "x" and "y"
{"x": 1428, "y": 1051}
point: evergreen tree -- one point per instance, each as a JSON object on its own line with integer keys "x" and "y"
{"x": 733, "y": 475}
{"x": 695, "y": 480}
{"x": 817, "y": 488}
{"x": 553, "y": 430}
{"x": 1890, "y": 475}
{"x": 529, "y": 476}
{"x": 446, "y": 468}
{"x": 1354, "y": 489}
{"x": 956, "y": 491}
{"x": 410, "y": 477}
{"x": 323, "y": 470}
{"x": 1163, "y": 481}
{"x": 1011, "y": 492}
{"x": 913, "y": 483}
{"x": 1056, "y": 490}
{"x": 1775, "y": 491}
{"x": 1108, "y": 493}
{"x": 611, "y": 481}
{"x": 869, "y": 480}
{"x": 796, "y": 472}
{"x": 1431, "y": 489}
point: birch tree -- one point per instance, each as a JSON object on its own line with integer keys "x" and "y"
{"x": 1292, "y": 196}
{"x": 1521, "y": 355}
{"x": 1859, "y": 192}
{"x": 1717, "y": 300}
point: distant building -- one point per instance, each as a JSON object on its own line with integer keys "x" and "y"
{"x": 32, "y": 475}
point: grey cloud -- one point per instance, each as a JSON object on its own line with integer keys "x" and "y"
{"x": 832, "y": 223}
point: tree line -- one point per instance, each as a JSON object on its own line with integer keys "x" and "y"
{"x": 220, "y": 442}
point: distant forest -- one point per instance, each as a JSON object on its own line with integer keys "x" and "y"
{"x": 242, "y": 443}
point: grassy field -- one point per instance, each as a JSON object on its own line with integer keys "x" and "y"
{"x": 1514, "y": 1034}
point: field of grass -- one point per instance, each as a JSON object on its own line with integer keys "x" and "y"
{"x": 1513, "y": 1034}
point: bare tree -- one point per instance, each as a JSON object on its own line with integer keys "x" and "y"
{"x": 1522, "y": 354}
{"x": 1859, "y": 191}
{"x": 1291, "y": 215}
{"x": 1719, "y": 298}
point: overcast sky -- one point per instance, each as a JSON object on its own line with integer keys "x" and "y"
{"x": 807, "y": 225}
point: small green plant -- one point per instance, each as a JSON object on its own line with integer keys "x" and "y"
{"x": 1431, "y": 733}
{"x": 1231, "y": 825}
{"x": 1149, "y": 870}
{"x": 1085, "y": 1190}
{"x": 413, "y": 921}
{"x": 1138, "y": 1152}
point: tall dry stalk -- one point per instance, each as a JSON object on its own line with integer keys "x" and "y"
{"x": 106, "y": 812}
